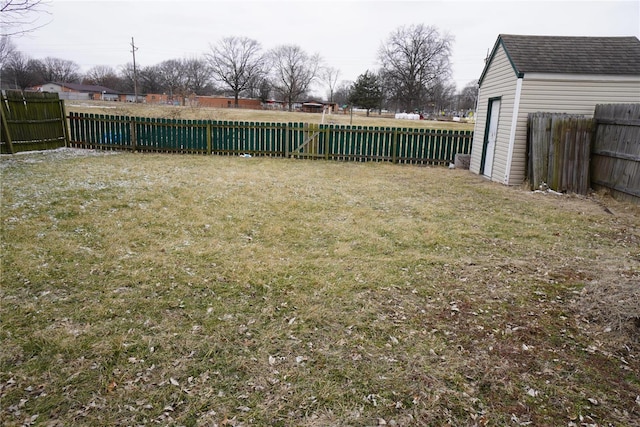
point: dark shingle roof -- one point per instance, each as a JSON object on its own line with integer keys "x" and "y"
{"x": 571, "y": 55}
{"x": 87, "y": 88}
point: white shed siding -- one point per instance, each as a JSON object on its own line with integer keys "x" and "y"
{"x": 51, "y": 87}
{"x": 563, "y": 94}
{"x": 478, "y": 134}
{"x": 576, "y": 97}
{"x": 499, "y": 82}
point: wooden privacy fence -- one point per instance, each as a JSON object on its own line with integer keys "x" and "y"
{"x": 559, "y": 148}
{"x": 300, "y": 140}
{"x": 615, "y": 160}
{"x": 31, "y": 121}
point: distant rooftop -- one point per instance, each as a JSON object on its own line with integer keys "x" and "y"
{"x": 86, "y": 88}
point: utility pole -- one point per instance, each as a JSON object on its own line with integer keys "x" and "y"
{"x": 135, "y": 73}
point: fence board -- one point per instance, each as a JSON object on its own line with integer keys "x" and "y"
{"x": 616, "y": 150}
{"x": 559, "y": 147}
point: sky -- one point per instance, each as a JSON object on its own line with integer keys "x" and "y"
{"x": 347, "y": 34}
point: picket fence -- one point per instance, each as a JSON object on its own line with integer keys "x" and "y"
{"x": 299, "y": 140}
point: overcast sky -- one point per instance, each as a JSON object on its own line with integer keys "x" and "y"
{"x": 347, "y": 34}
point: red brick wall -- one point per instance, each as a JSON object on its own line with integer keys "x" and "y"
{"x": 215, "y": 102}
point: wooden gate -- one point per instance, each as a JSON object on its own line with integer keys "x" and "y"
{"x": 310, "y": 142}
{"x": 32, "y": 121}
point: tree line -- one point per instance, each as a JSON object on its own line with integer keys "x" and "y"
{"x": 414, "y": 73}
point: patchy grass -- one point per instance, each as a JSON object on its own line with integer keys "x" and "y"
{"x": 191, "y": 290}
{"x": 269, "y": 116}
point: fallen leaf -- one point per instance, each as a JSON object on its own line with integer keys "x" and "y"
{"x": 174, "y": 381}
{"x": 32, "y": 419}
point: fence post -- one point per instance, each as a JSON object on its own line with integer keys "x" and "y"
{"x": 394, "y": 146}
{"x": 326, "y": 143}
{"x": 208, "y": 132}
{"x": 134, "y": 137}
{"x": 65, "y": 124}
{"x": 5, "y": 129}
{"x": 286, "y": 139}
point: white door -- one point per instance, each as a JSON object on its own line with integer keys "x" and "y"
{"x": 490, "y": 148}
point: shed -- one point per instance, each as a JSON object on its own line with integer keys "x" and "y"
{"x": 315, "y": 106}
{"x": 527, "y": 74}
{"x": 312, "y": 107}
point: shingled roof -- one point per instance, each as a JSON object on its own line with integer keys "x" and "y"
{"x": 87, "y": 88}
{"x": 571, "y": 55}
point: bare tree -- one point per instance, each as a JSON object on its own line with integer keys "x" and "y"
{"x": 127, "y": 78}
{"x": 441, "y": 95}
{"x": 150, "y": 79}
{"x": 413, "y": 59}
{"x": 198, "y": 75}
{"x": 342, "y": 92}
{"x": 22, "y": 71}
{"x": 236, "y": 62}
{"x": 330, "y": 76}
{"x": 293, "y": 71}
{"x": 469, "y": 96}
{"x": 264, "y": 90}
{"x": 253, "y": 88}
{"x": 102, "y": 75}
{"x": 173, "y": 77}
{"x": 60, "y": 70}
{"x": 21, "y": 16}
{"x": 7, "y": 48}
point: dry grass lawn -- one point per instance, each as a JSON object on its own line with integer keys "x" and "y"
{"x": 143, "y": 289}
{"x": 270, "y": 116}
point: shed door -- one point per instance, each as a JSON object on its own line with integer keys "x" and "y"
{"x": 490, "y": 137}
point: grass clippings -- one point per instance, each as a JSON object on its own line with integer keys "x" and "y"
{"x": 225, "y": 291}
{"x": 614, "y": 305}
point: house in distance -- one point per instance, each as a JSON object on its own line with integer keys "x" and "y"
{"x": 79, "y": 92}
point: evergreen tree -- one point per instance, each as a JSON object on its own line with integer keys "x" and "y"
{"x": 366, "y": 92}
